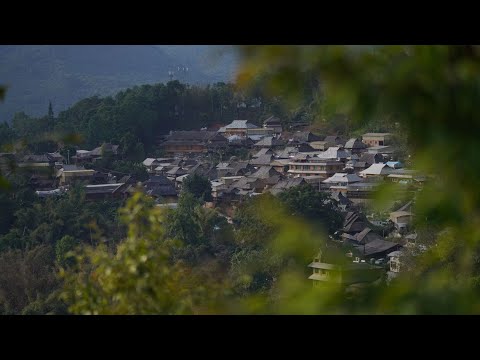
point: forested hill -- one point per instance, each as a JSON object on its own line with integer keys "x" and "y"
{"x": 139, "y": 115}
{"x": 64, "y": 74}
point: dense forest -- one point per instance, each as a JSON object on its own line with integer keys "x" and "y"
{"x": 143, "y": 113}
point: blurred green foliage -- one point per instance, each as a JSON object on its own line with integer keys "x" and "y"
{"x": 138, "y": 278}
{"x": 431, "y": 92}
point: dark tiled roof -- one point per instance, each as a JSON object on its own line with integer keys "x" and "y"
{"x": 158, "y": 180}
{"x": 177, "y": 171}
{"x": 158, "y": 191}
{"x": 306, "y": 136}
{"x": 355, "y": 144}
{"x": 288, "y": 183}
{"x": 241, "y": 124}
{"x": 262, "y": 160}
{"x": 265, "y": 172}
{"x": 37, "y": 158}
{"x": 193, "y": 135}
{"x": 377, "y": 246}
{"x": 287, "y": 152}
{"x": 270, "y": 141}
{"x": 242, "y": 168}
{"x": 106, "y": 147}
{"x": 272, "y": 120}
{"x": 371, "y": 158}
{"x": 304, "y": 147}
{"x": 264, "y": 151}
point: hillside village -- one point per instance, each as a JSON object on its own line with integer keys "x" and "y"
{"x": 242, "y": 160}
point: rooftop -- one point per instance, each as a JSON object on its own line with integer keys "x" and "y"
{"x": 376, "y": 134}
{"x": 241, "y": 124}
{"x": 343, "y": 178}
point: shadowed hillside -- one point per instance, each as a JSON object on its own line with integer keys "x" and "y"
{"x": 66, "y": 73}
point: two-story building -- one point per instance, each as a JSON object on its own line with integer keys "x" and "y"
{"x": 355, "y": 146}
{"x": 309, "y": 166}
{"x": 344, "y": 273}
{"x": 377, "y": 170}
{"x": 237, "y": 127}
{"x": 274, "y": 124}
{"x": 194, "y": 141}
{"x": 38, "y": 166}
{"x": 88, "y": 156}
{"x": 70, "y": 174}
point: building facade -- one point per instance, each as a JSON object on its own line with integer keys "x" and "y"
{"x": 313, "y": 166}
{"x": 376, "y": 139}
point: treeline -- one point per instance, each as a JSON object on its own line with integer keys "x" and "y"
{"x": 137, "y": 116}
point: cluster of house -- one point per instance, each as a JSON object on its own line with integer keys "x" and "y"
{"x": 348, "y": 169}
{"x": 51, "y": 174}
{"x": 370, "y": 257}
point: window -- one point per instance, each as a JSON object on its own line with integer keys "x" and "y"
{"x": 380, "y": 142}
{"x": 315, "y": 271}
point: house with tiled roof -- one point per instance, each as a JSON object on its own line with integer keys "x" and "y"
{"x": 194, "y": 141}
{"x": 274, "y": 124}
{"x": 355, "y": 146}
{"x": 237, "y": 127}
{"x": 377, "y": 170}
{"x": 263, "y": 151}
{"x": 269, "y": 142}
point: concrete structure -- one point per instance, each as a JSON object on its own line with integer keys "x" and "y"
{"x": 309, "y": 166}
{"x": 376, "y": 139}
{"x": 70, "y": 174}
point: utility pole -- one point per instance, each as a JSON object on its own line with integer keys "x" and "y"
{"x": 68, "y": 156}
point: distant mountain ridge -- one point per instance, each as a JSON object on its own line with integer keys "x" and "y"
{"x": 64, "y": 74}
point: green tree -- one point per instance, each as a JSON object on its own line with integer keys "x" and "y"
{"x": 63, "y": 246}
{"x": 318, "y": 207}
{"x": 7, "y": 136}
{"x": 51, "y": 117}
{"x": 198, "y": 186}
{"x": 137, "y": 170}
{"x": 26, "y": 277}
{"x": 138, "y": 278}
{"x": 182, "y": 222}
{"x": 7, "y": 211}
